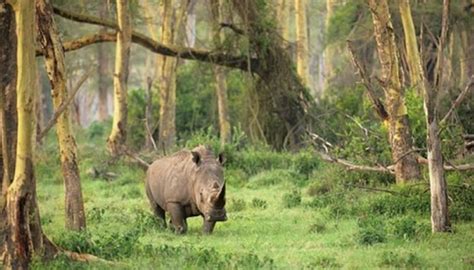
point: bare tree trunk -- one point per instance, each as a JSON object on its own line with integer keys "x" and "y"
{"x": 329, "y": 51}
{"x": 173, "y": 15}
{"x": 406, "y": 167}
{"x": 24, "y": 236}
{"x": 118, "y": 134}
{"x": 102, "y": 72}
{"x": 283, "y": 15}
{"x": 302, "y": 51}
{"x": 191, "y": 24}
{"x": 220, "y": 76}
{"x": 54, "y": 60}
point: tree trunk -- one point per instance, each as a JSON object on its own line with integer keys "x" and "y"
{"x": 191, "y": 24}
{"x": 118, "y": 135}
{"x": 54, "y": 61}
{"x": 413, "y": 55}
{"x": 220, "y": 76}
{"x": 302, "y": 51}
{"x": 173, "y": 15}
{"x": 8, "y": 114}
{"x": 24, "y": 236}
{"x": 102, "y": 73}
{"x": 283, "y": 98}
{"x": 329, "y": 51}
{"x": 283, "y": 15}
{"x": 406, "y": 167}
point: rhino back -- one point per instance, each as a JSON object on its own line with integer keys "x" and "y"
{"x": 169, "y": 179}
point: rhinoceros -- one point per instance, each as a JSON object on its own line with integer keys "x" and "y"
{"x": 186, "y": 184}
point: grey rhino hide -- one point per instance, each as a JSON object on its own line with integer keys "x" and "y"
{"x": 185, "y": 184}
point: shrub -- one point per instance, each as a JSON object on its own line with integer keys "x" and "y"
{"x": 259, "y": 203}
{"x": 236, "y": 177}
{"x": 408, "y": 228}
{"x": 324, "y": 262}
{"x": 292, "y": 199}
{"x": 401, "y": 260}
{"x": 236, "y": 205}
{"x": 274, "y": 177}
{"x": 371, "y": 230}
{"x": 318, "y": 227}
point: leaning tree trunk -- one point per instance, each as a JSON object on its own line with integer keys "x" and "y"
{"x": 283, "y": 96}
{"x": 220, "y": 76}
{"x": 406, "y": 167}
{"x": 54, "y": 60}
{"x": 302, "y": 51}
{"x": 172, "y": 33}
{"x": 24, "y": 236}
{"x": 118, "y": 135}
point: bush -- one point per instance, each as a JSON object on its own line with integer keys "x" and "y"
{"x": 236, "y": 177}
{"x": 401, "y": 260}
{"x": 371, "y": 230}
{"x": 409, "y": 199}
{"x": 274, "y": 177}
{"x": 292, "y": 199}
{"x": 324, "y": 262}
{"x": 318, "y": 227}
{"x": 408, "y": 228}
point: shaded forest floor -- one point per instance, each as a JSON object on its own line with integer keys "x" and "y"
{"x": 285, "y": 211}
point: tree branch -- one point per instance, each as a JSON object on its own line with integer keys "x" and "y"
{"x": 355, "y": 167}
{"x": 460, "y": 167}
{"x": 64, "y": 105}
{"x": 379, "y": 107}
{"x": 458, "y": 101}
{"x": 223, "y": 59}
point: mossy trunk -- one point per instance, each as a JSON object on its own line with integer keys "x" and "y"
{"x": 283, "y": 98}
{"x": 302, "y": 51}
{"x": 172, "y": 33}
{"x": 406, "y": 165}
{"x": 54, "y": 61}
{"x": 118, "y": 135}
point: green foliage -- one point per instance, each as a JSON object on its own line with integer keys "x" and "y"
{"x": 401, "y": 260}
{"x": 236, "y": 205}
{"x": 318, "y": 227}
{"x": 259, "y": 203}
{"x": 461, "y": 194}
{"x": 274, "y": 177}
{"x": 371, "y": 230}
{"x": 408, "y": 228}
{"x": 136, "y": 131}
{"x": 292, "y": 199}
{"x": 409, "y": 199}
{"x": 343, "y": 21}
{"x": 323, "y": 262}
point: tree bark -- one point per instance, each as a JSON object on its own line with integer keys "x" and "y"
{"x": 172, "y": 32}
{"x": 8, "y": 114}
{"x": 102, "y": 72}
{"x": 118, "y": 135}
{"x": 220, "y": 75}
{"x": 329, "y": 51}
{"x": 24, "y": 236}
{"x": 283, "y": 15}
{"x": 54, "y": 61}
{"x": 407, "y": 168}
{"x": 302, "y": 51}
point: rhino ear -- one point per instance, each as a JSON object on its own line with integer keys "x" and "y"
{"x": 196, "y": 157}
{"x": 221, "y": 158}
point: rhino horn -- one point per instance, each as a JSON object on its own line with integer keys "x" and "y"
{"x": 219, "y": 199}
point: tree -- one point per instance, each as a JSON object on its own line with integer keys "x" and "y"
{"x": 302, "y": 42}
{"x": 329, "y": 52}
{"x": 54, "y": 61}
{"x": 24, "y": 237}
{"x": 102, "y": 72}
{"x": 283, "y": 15}
{"x": 219, "y": 75}
{"x": 406, "y": 165}
{"x": 173, "y": 14}
{"x": 118, "y": 135}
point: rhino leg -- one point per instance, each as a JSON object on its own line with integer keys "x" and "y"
{"x": 159, "y": 212}
{"x": 208, "y": 226}
{"x": 178, "y": 218}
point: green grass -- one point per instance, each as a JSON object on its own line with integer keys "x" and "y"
{"x": 267, "y": 226}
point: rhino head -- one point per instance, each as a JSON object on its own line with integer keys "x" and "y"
{"x": 209, "y": 186}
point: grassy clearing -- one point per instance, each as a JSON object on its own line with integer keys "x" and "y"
{"x": 287, "y": 215}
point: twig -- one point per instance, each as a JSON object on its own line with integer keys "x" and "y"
{"x": 460, "y": 167}
{"x": 64, "y": 105}
{"x": 355, "y": 167}
{"x": 374, "y": 189}
{"x": 458, "y": 101}
{"x": 407, "y": 153}
{"x": 134, "y": 156}
{"x": 232, "y": 27}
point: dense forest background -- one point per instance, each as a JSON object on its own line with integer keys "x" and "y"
{"x": 347, "y": 128}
